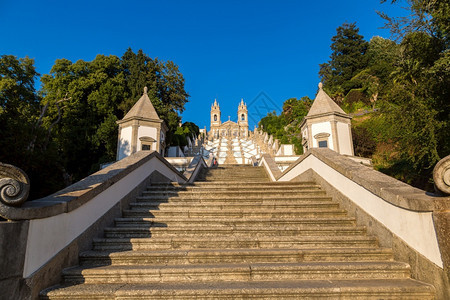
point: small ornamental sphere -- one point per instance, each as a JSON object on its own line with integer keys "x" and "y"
{"x": 320, "y": 85}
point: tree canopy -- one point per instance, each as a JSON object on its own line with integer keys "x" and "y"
{"x": 285, "y": 126}
{"x": 69, "y": 126}
{"x": 397, "y": 90}
{"x": 346, "y": 60}
{"x": 24, "y": 141}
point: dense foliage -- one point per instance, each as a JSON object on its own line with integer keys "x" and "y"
{"x": 187, "y": 130}
{"x": 398, "y": 91}
{"x": 347, "y": 59}
{"x": 285, "y": 126}
{"x": 68, "y": 128}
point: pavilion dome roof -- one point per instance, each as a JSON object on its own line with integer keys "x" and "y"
{"x": 143, "y": 108}
{"x": 323, "y": 104}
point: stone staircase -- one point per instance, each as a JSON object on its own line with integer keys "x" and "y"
{"x": 236, "y": 235}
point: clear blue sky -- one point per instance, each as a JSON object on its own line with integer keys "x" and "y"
{"x": 262, "y": 51}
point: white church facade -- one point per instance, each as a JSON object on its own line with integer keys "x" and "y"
{"x": 229, "y": 128}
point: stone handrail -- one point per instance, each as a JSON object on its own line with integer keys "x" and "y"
{"x": 268, "y": 143}
{"x": 79, "y": 193}
{"x": 270, "y": 166}
{"x": 418, "y": 218}
{"x": 194, "y": 168}
{"x": 45, "y": 233}
{"x": 390, "y": 189}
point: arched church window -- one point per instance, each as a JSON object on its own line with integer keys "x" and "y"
{"x": 242, "y": 117}
{"x": 215, "y": 117}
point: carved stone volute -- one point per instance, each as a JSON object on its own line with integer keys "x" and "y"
{"x": 14, "y": 185}
{"x": 441, "y": 175}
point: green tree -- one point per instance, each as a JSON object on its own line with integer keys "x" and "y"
{"x": 164, "y": 81}
{"x": 86, "y": 135}
{"x": 429, "y": 16}
{"x": 188, "y": 129}
{"x": 346, "y": 60}
{"x": 285, "y": 127}
{"x": 100, "y": 92}
{"x": 24, "y": 142}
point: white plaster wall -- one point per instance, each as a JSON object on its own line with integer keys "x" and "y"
{"x": 319, "y": 128}
{"x": 175, "y": 151}
{"x": 253, "y": 152}
{"x": 147, "y": 131}
{"x": 286, "y": 150}
{"x": 286, "y": 159}
{"x": 48, "y": 236}
{"x": 125, "y": 143}
{"x": 415, "y": 228}
{"x": 345, "y": 140}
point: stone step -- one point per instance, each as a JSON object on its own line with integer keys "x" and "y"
{"x": 235, "y": 178}
{"x": 197, "y": 256}
{"x": 231, "y": 170}
{"x": 230, "y": 180}
{"x": 239, "y": 172}
{"x": 237, "y": 272}
{"x": 198, "y": 212}
{"x": 213, "y": 177}
{"x": 242, "y": 183}
{"x": 251, "y": 199}
{"x": 140, "y": 207}
{"x": 236, "y": 171}
{"x": 232, "y": 187}
{"x": 131, "y": 230}
{"x": 208, "y": 256}
{"x": 254, "y": 242}
{"x": 312, "y": 289}
{"x": 234, "y": 193}
{"x": 237, "y": 222}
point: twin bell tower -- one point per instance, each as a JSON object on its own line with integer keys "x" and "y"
{"x": 229, "y": 128}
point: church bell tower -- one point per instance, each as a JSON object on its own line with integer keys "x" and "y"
{"x": 215, "y": 114}
{"x": 215, "y": 119}
{"x": 243, "y": 118}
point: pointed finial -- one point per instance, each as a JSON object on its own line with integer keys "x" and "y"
{"x": 320, "y": 85}
{"x": 145, "y": 90}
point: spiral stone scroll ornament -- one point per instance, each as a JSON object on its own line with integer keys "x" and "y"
{"x": 14, "y": 185}
{"x": 441, "y": 175}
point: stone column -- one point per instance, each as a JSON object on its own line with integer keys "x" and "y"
{"x": 334, "y": 137}
{"x": 134, "y": 138}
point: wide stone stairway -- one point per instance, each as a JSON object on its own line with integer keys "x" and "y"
{"x": 237, "y": 235}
